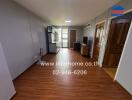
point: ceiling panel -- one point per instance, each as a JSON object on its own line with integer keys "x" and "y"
{"x": 57, "y": 11}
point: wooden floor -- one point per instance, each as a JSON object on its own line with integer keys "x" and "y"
{"x": 39, "y": 83}
{"x": 111, "y": 72}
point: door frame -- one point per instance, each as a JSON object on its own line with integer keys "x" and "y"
{"x": 127, "y": 11}
{"x": 99, "y": 23}
{"x": 111, "y": 18}
{"x": 108, "y": 41}
{"x": 107, "y": 23}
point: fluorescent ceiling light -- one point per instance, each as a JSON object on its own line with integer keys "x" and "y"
{"x": 68, "y": 21}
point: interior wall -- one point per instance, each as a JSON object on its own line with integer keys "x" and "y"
{"x": 19, "y": 35}
{"x": 7, "y": 89}
{"x": 124, "y": 72}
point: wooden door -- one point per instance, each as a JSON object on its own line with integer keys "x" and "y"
{"x": 116, "y": 40}
{"x": 72, "y": 37}
{"x": 99, "y": 30}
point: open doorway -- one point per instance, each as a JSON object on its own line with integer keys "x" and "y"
{"x": 116, "y": 39}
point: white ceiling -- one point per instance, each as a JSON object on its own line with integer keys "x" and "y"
{"x": 56, "y": 11}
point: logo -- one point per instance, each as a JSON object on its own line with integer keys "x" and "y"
{"x": 117, "y": 10}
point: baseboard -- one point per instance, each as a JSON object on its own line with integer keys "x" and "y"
{"x": 124, "y": 90}
{"x": 25, "y": 70}
{"x": 28, "y": 68}
{"x": 13, "y": 96}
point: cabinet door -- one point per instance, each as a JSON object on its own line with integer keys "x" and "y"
{"x": 7, "y": 89}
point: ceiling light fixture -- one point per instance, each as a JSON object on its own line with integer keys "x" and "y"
{"x": 68, "y": 21}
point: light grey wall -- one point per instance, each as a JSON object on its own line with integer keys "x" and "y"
{"x": 124, "y": 72}
{"x": 20, "y": 33}
{"x": 7, "y": 89}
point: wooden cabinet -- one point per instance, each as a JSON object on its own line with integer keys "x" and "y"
{"x": 84, "y": 49}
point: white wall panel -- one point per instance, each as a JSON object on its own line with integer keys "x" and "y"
{"x": 7, "y": 89}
